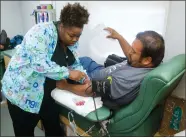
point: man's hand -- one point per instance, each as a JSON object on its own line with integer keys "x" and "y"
{"x": 76, "y": 75}
{"x": 123, "y": 43}
{"x": 113, "y": 33}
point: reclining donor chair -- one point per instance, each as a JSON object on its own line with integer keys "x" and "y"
{"x": 143, "y": 116}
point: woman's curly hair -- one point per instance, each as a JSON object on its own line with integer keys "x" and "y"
{"x": 74, "y": 15}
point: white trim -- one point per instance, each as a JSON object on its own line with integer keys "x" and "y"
{"x": 167, "y": 12}
{"x": 54, "y": 4}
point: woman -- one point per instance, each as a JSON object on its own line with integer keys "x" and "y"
{"x": 47, "y": 53}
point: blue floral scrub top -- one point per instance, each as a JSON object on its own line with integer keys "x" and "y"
{"x": 23, "y": 81}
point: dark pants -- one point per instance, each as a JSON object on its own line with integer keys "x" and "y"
{"x": 2, "y": 70}
{"x": 24, "y": 122}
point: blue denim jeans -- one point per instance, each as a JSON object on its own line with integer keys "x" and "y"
{"x": 90, "y": 65}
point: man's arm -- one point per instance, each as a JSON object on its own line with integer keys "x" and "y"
{"x": 99, "y": 87}
{"x": 123, "y": 43}
{"x": 78, "y": 89}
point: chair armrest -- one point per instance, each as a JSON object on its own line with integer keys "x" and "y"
{"x": 103, "y": 113}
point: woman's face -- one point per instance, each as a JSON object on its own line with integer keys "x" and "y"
{"x": 69, "y": 35}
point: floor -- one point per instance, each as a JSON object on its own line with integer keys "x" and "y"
{"x": 6, "y": 124}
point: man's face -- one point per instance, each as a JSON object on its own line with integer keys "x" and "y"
{"x": 70, "y": 35}
{"x": 134, "y": 58}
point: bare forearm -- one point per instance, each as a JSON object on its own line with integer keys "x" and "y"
{"x": 124, "y": 45}
{"x": 77, "y": 89}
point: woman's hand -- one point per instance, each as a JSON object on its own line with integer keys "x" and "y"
{"x": 76, "y": 75}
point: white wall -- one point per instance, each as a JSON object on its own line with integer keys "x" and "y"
{"x": 180, "y": 89}
{"x": 27, "y": 8}
{"x": 16, "y": 16}
{"x": 11, "y": 20}
{"x": 175, "y": 31}
{"x": 175, "y": 38}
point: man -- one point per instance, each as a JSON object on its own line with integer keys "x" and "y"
{"x": 117, "y": 84}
